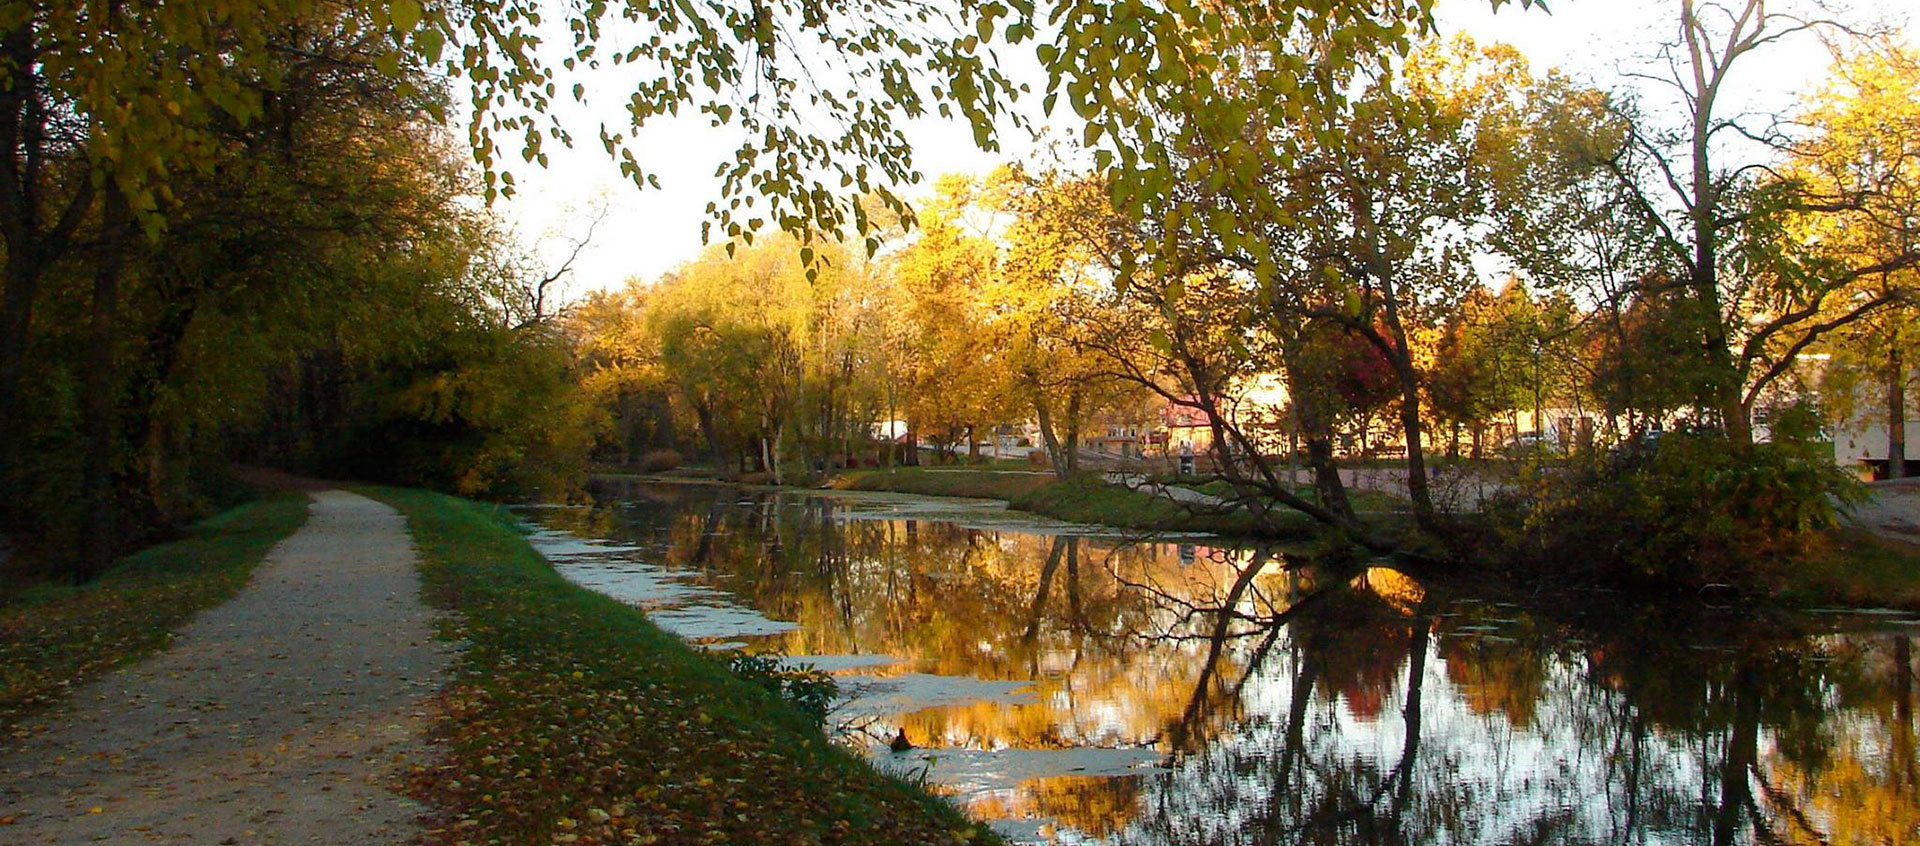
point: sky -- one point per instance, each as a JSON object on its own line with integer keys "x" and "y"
{"x": 646, "y": 233}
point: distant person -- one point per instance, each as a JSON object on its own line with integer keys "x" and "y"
{"x": 1186, "y": 459}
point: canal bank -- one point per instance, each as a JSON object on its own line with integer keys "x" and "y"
{"x": 573, "y": 718}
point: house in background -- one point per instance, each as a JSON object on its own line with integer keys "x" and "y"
{"x": 1257, "y": 407}
{"x": 1860, "y": 438}
{"x": 1861, "y": 446}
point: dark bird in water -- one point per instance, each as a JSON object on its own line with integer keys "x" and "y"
{"x": 900, "y": 743}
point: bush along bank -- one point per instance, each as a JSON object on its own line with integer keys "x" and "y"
{"x": 1694, "y": 513}
{"x": 573, "y": 719}
{"x": 54, "y": 637}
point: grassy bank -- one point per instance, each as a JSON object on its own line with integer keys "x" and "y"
{"x": 1363, "y": 500}
{"x": 1082, "y": 499}
{"x": 1090, "y": 500}
{"x": 968, "y": 482}
{"x": 53, "y": 636}
{"x": 1852, "y": 566}
{"x": 574, "y": 719}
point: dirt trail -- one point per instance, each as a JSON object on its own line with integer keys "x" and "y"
{"x": 280, "y": 717}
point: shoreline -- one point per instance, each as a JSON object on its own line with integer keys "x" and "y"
{"x": 1855, "y": 566}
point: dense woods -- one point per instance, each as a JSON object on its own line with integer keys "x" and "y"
{"x": 313, "y": 287}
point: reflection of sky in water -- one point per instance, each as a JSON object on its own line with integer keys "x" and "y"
{"x": 1061, "y": 683}
{"x": 673, "y": 601}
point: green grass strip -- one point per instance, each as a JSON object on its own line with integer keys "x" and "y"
{"x": 55, "y": 636}
{"x": 1085, "y": 498}
{"x": 573, "y": 719}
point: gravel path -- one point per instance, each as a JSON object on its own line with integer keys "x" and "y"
{"x": 283, "y": 716}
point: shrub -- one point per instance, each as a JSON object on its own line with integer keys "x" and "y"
{"x": 659, "y": 461}
{"x": 1038, "y": 458}
{"x": 1688, "y": 510}
{"x": 806, "y": 688}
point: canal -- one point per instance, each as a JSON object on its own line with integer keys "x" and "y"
{"x": 1072, "y": 685}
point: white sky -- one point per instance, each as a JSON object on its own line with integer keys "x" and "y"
{"x": 649, "y": 232}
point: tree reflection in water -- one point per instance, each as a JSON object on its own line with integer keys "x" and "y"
{"x": 1296, "y": 703}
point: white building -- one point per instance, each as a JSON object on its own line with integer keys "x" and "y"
{"x": 1861, "y": 445}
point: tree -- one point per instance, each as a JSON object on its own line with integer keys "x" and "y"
{"x": 1864, "y": 159}
{"x": 1191, "y": 341}
{"x": 320, "y": 273}
{"x": 1335, "y": 378}
{"x": 1369, "y": 215}
{"x": 1756, "y": 298}
{"x": 957, "y": 380}
{"x": 1050, "y": 287}
{"x": 1645, "y": 363}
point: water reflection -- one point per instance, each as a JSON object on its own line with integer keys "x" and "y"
{"x": 1195, "y": 693}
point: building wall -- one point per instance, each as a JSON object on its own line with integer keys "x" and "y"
{"x": 1860, "y": 442}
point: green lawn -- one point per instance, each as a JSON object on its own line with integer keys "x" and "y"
{"x": 572, "y": 718}
{"x": 53, "y": 637}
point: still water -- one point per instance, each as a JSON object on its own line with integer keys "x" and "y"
{"x": 1075, "y": 687}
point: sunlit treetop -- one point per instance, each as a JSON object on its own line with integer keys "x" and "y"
{"x": 817, "y": 89}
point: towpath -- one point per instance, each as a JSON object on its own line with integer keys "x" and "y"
{"x": 285, "y": 716}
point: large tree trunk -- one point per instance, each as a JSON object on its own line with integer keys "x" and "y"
{"x": 16, "y": 318}
{"x": 96, "y": 483}
{"x": 37, "y": 228}
{"x": 1417, "y": 488}
{"x": 157, "y": 439}
{"x": 703, "y": 412}
{"x": 1055, "y": 455}
{"x": 773, "y": 455}
{"x": 1896, "y": 411}
{"x": 21, "y": 130}
{"x": 1072, "y": 443}
{"x": 1381, "y": 268}
{"x": 1327, "y": 485}
{"x": 1725, "y": 389}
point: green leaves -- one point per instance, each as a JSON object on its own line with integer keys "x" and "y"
{"x": 405, "y": 15}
